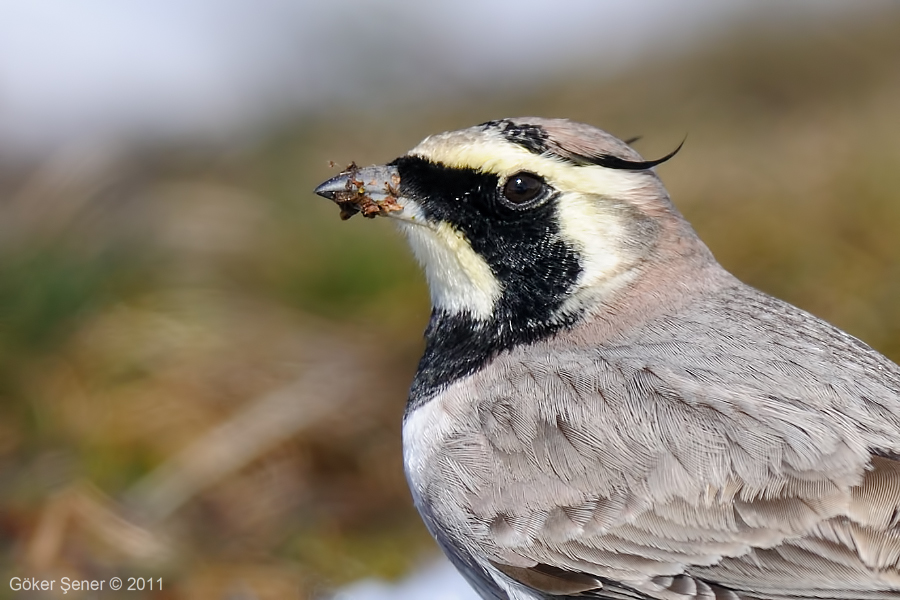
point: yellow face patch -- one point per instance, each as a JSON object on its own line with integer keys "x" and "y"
{"x": 459, "y": 279}
{"x": 490, "y": 153}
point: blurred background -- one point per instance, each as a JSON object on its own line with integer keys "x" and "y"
{"x": 203, "y": 370}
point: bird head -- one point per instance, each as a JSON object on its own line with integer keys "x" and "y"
{"x": 527, "y": 221}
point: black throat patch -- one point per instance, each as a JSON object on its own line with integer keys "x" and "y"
{"x": 526, "y": 253}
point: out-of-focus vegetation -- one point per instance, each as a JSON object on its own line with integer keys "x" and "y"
{"x": 202, "y": 369}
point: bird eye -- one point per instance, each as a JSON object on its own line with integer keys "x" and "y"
{"x": 522, "y": 188}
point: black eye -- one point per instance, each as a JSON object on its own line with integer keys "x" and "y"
{"x": 522, "y": 188}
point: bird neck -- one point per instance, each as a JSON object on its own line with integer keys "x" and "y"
{"x": 459, "y": 344}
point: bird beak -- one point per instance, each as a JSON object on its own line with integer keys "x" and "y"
{"x": 371, "y": 191}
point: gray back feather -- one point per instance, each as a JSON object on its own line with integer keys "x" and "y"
{"x": 724, "y": 448}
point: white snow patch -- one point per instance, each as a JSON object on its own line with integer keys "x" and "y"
{"x": 436, "y": 581}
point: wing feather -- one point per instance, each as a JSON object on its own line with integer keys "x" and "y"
{"x": 723, "y": 467}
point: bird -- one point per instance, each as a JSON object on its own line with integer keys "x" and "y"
{"x": 602, "y": 411}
